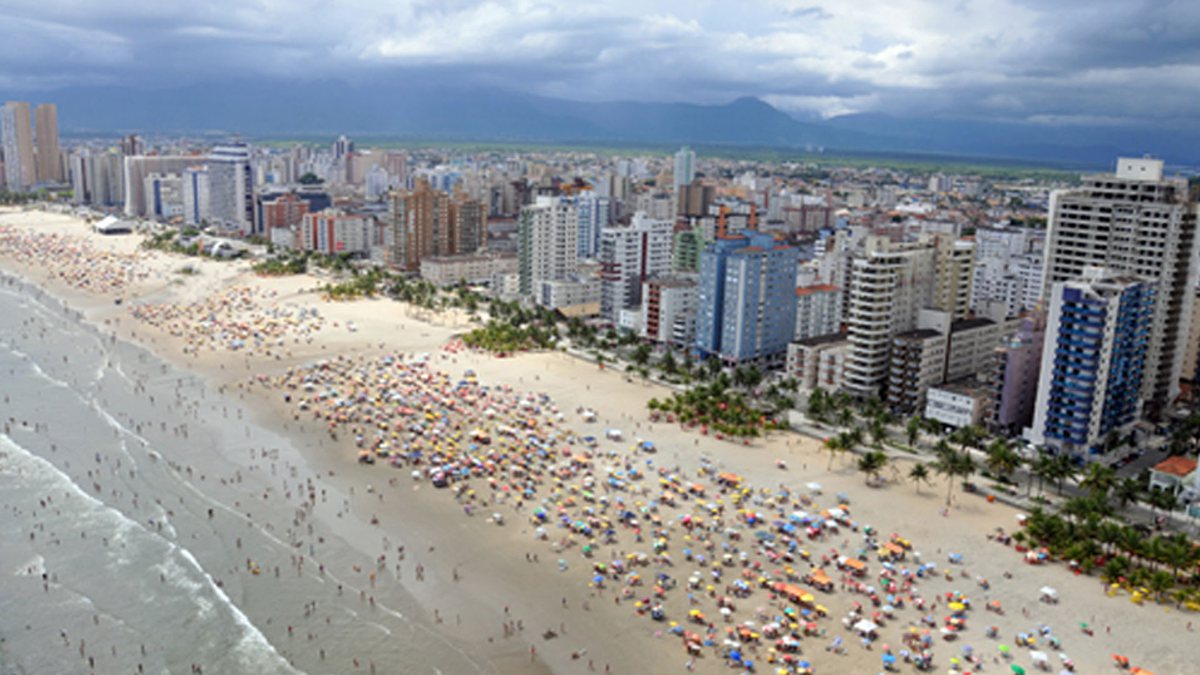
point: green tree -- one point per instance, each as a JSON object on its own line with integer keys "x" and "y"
{"x": 1126, "y": 491}
{"x": 834, "y": 445}
{"x": 872, "y": 464}
{"x": 1098, "y": 479}
{"x": 878, "y": 431}
{"x": 954, "y": 465}
{"x": 913, "y": 429}
{"x": 818, "y": 405}
{"x": 1002, "y": 459}
{"x": 641, "y": 355}
{"x": 918, "y": 474}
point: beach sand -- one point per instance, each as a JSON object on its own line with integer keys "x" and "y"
{"x": 495, "y": 583}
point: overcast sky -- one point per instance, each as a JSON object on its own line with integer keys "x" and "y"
{"x": 1094, "y": 61}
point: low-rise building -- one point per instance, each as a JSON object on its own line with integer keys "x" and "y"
{"x": 818, "y": 361}
{"x": 580, "y": 295}
{"x": 473, "y": 268}
{"x": 1173, "y": 474}
{"x": 958, "y": 404}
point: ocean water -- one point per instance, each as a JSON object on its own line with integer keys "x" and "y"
{"x": 134, "y": 502}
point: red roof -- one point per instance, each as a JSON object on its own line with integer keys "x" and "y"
{"x": 816, "y": 288}
{"x": 1176, "y": 466}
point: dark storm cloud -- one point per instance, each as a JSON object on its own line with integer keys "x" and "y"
{"x": 1015, "y": 59}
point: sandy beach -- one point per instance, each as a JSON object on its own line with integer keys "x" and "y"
{"x": 651, "y": 522}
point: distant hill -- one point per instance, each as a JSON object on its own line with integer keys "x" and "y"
{"x": 425, "y": 110}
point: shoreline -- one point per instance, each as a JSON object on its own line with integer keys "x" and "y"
{"x": 626, "y": 643}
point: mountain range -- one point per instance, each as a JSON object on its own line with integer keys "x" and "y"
{"x": 433, "y": 110}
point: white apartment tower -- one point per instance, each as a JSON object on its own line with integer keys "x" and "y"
{"x": 628, "y": 255}
{"x": 231, "y": 186}
{"x": 889, "y": 284}
{"x": 685, "y": 167}
{"x": 548, "y": 242}
{"x": 1134, "y": 222}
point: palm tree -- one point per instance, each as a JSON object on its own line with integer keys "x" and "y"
{"x": 1128, "y": 490}
{"x": 818, "y": 404}
{"x": 942, "y": 448}
{"x": 1043, "y": 469}
{"x": 668, "y": 364}
{"x": 1115, "y": 569}
{"x": 918, "y": 474}
{"x": 878, "y": 431}
{"x": 641, "y": 355}
{"x": 845, "y": 416}
{"x": 968, "y": 436}
{"x": 834, "y": 445}
{"x": 1002, "y": 459}
{"x": 1131, "y": 542}
{"x": 1165, "y": 500}
{"x": 854, "y": 438}
{"x": 954, "y": 465}
{"x": 872, "y": 463}
{"x": 1098, "y": 479}
{"x": 1063, "y": 469}
{"x": 913, "y": 429}
{"x": 1160, "y": 582}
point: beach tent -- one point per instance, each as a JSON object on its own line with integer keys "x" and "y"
{"x": 865, "y": 627}
{"x": 112, "y": 225}
{"x": 1048, "y": 594}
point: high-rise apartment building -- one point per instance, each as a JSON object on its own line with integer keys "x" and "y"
{"x": 669, "y": 309}
{"x": 468, "y": 225}
{"x": 97, "y": 178}
{"x": 818, "y": 310}
{"x": 1015, "y": 377}
{"x": 16, "y": 136}
{"x": 164, "y": 196}
{"x": 197, "y": 195}
{"x": 49, "y": 159}
{"x": 685, "y": 168}
{"x": 1098, "y": 335}
{"x": 1135, "y": 222}
{"x": 746, "y": 306}
{"x": 132, "y": 145}
{"x": 890, "y": 283}
{"x": 595, "y": 214}
{"x": 695, "y": 199}
{"x": 547, "y": 242}
{"x": 136, "y": 169}
{"x": 231, "y": 187}
{"x": 281, "y": 210}
{"x": 628, "y": 255}
{"x": 333, "y": 232}
{"x": 955, "y": 273}
{"x": 428, "y": 222}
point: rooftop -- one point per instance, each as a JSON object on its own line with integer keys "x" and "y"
{"x": 969, "y": 324}
{"x": 820, "y": 340}
{"x": 1176, "y": 466}
{"x": 919, "y": 334}
{"x": 817, "y": 288}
